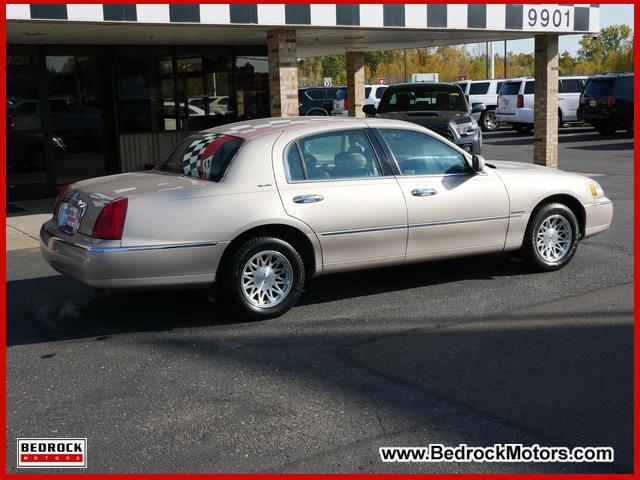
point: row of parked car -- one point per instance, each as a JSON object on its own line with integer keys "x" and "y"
{"x": 604, "y": 101}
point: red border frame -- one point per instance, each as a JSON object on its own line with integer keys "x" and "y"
{"x": 3, "y": 292}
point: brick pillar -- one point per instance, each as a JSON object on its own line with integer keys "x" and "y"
{"x": 545, "y": 117}
{"x": 283, "y": 73}
{"x": 355, "y": 83}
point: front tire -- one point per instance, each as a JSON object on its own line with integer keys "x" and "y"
{"x": 263, "y": 278}
{"x": 488, "y": 121}
{"x": 551, "y": 238}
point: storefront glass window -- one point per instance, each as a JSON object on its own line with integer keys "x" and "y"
{"x": 144, "y": 88}
{"x": 252, "y": 86}
{"x": 204, "y": 88}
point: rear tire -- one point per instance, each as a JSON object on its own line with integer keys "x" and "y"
{"x": 263, "y": 278}
{"x": 551, "y": 238}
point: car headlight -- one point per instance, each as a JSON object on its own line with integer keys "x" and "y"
{"x": 466, "y": 128}
{"x": 595, "y": 189}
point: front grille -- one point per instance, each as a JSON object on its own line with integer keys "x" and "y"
{"x": 444, "y": 131}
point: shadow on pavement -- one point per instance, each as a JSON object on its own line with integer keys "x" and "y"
{"x": 57, "y": 308}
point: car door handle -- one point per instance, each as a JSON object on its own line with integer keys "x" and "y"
{"x": 423, "y": 192}
{"x": 308, "y": 198}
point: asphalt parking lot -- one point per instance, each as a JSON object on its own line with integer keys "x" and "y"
{"x": 476, "y": 351}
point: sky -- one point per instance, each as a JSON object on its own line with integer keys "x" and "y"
{"x": 610, "y": 14}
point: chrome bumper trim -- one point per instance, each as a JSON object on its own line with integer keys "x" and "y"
{"x": 132, "y": 248}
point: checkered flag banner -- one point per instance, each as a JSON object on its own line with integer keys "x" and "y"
{"x": 192, "y": 159}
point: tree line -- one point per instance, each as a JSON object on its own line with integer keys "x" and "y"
{"x": 610, "y": 50}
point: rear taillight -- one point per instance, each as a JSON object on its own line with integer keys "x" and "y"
{"x": 11, "y": 123}
{"x": 520, "y": 102}
{"x": 346, "y": 104}
{"x": 611, "y": 101}
{"x": 56, "y": 206}
{"x": 110, "y": 222}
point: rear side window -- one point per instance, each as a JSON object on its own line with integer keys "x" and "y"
{"x": 380, "y": 91}
{"x": 599, "y": 87}
{"x": 479, "y": 88}
{"x": 570, "y": 85}
{"x": 205, "y": 156}
{"x": 624, "y": 85}
{"x": 529, "y": 88}
{"x": 316, "y": 94}
{"x": 346, "y": 154}
{"x": 511, "y": 88}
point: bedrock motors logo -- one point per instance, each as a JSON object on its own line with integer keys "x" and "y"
{"x": 52, "y": 453}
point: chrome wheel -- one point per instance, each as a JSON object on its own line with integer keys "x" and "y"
{"x": 266, "y": 279}
{"x": 490, "y": 122}
{"x": 554, "y": 238}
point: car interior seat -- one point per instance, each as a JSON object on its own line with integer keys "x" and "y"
{"x": 350, "y": 164}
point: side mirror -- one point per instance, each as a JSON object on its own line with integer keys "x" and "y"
{"x": 477, "y": 163}
{"x": 369, "y": 109}
{"x": 478, "y": 107}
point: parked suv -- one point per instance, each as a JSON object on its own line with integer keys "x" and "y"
{"x": 516, "y": 101}
{"x": 441, "y": 107}
{"x": 484, "y": 91}
{"x": 372, "y": 96}
{"x": 607, "y": 102}
{"x": 316, "y": 100}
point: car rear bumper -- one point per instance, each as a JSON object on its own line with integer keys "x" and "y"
{"x": 105, "y": 265}
{"x": 521, "y": 115}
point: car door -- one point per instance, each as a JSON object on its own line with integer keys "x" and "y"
{"x": 337, "y": 184}
{"x": 451, "y": 209}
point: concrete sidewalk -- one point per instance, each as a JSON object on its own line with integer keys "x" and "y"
{"x": 24, "y": 220}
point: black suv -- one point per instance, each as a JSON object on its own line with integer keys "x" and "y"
{"x": 316, "y": 100}
{"x": 441, "y": 107}
{"x": 607, "y": 102}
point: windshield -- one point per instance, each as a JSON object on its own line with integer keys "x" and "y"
{"x": 205, "y": 156}
{"x": 415, "y": 98}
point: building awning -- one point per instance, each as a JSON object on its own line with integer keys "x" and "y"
{"x": 322, "y": 29}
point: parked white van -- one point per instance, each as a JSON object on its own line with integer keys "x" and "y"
{"x": 372, "y": 96}
{"x": 484, "y": 91}
{"x": 516, "y": 101}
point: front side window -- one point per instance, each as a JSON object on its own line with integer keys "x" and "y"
{"x": 205, "y": 156}
{"x": 479, "y": 88}
{"x": 420, "y": 154}
{"x": 336, "y": 155}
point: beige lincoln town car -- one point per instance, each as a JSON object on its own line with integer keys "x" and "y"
{"x": 253, "y": 209}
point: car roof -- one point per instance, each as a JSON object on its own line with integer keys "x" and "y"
{"x": 260, "y": 127}
{"x": 612, "y": 75}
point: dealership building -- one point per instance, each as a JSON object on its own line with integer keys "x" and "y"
{"x": 102, "y": 89}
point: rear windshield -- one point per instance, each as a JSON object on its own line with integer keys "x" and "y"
{"x": 367, "y": 92}
{"x": 598, "y": 87}
{"x": 205, "y": 156}
{"x": 412, "y": 98}
{"x": 510, "y": 88}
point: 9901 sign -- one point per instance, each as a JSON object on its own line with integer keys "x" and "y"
{"x": 548, "y": 17}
